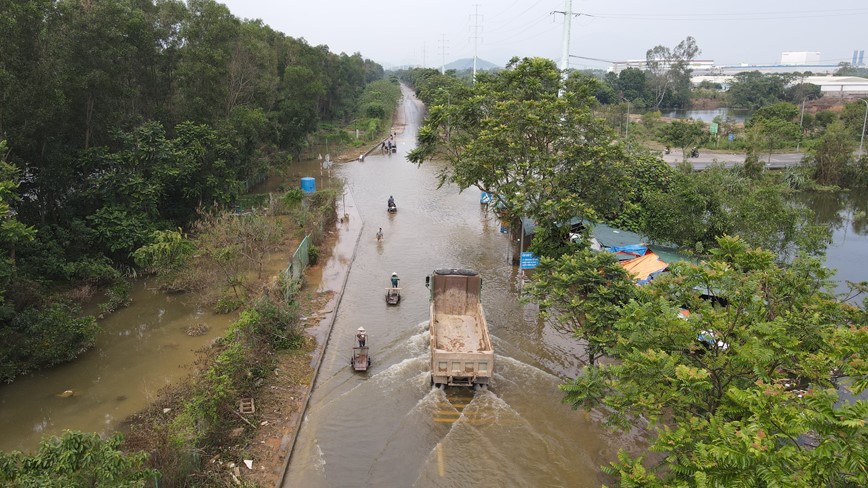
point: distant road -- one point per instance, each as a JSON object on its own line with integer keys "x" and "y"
{"x": 705, "y": 159}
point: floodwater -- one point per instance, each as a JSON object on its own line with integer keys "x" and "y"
{"x": 388, "y": 426}
{"x": 847, "y": 215}
{"x": 140, "y": 349}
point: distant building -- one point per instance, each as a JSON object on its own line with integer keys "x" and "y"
{"x": 696, "y": 64}
{"x": 800, "y": 57}
{"x": 830, "y": 86}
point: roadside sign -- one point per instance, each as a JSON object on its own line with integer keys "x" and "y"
{"x": 485, "y": 198}
{"x": 713, "y": 128}
{"x": 528, "y": 260}
{"x": 731, "y": 136}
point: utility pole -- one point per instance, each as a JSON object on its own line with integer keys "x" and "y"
{"x": 443, "y": 49}
{"x": 475, "y": 36}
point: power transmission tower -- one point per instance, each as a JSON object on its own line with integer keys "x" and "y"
{"x": 475, "y": 30}
{"x": 443, "y": 48}
{"x": 565, "y": 46}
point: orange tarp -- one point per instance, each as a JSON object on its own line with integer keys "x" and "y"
{"x": 644, "y": 266}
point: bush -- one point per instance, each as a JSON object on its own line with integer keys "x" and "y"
{"x": 40, "y": 338}
{"x": 93, "y": 271}
{"x": 76, "y": 459}
{"x": 118, "y": 296}
{"x": 312, "y": 254}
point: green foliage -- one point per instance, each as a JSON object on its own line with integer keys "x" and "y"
{"x": 701, "y": 206}
{"x": 293, "y": 197}
{"x": 43, "y": 337}
{"x": 686, "y": 134}
{"x": 93, "y": 271}
{"x": 753, "y": 90}
{"x": 583, "y": 292}
{"x": 77, "y": 460}
{"x": 742, "y": 391}
{"x": 545, "y": 156}
{"x": 773, "y": 126}
{"x": 832, "y": 155}
{"x": 669, "y": 73}
{"x": 167, "y": 252}
{"x": 312, "y": 254}
{"x": 117, "y": 296}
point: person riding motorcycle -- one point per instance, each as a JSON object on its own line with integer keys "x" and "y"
{"x": 391, "y": 201}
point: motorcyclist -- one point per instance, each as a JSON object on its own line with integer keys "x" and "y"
{"x": 394, "y": 280}
{"x": 391, "y": 201}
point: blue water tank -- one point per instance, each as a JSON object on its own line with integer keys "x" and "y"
{"x": 308, "y": 184}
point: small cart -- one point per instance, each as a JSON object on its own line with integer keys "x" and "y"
{"x": 360, "y": 361}
{"x": 393, "y": 296}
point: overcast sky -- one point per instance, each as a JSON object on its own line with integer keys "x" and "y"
{"x": 413, "y": 32}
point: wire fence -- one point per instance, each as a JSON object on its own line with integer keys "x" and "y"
{"x": 294, "y": 272}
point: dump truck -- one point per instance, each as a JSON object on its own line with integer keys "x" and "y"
{"x": 461, "y": 352}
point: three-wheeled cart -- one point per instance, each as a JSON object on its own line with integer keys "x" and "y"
{"x": 393, "y": 296}
{"x": 360, "y": 361}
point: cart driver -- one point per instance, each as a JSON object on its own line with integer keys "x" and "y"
{"x": 361, "y": 336}
{"x": 394, "y": 280}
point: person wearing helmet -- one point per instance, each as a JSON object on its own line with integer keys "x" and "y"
{"x": 394, "y": 280}
{"x": 361, "y": 336}
{"x": 391, "y": 202}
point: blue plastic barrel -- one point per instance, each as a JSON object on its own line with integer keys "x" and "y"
{"x": 308, "y": 184}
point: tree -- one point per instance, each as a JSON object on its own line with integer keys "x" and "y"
{"x": 832, "y": 155}
{"x": 773, "y": 126}
{"x": 669, "y": 70}
{"x": 582, "y": 292}
{"x": 687, "y": 135}
{"x": 511, "y": 135}
{"x": 699, "y": 207}
{"x": 76, "y": 460}
{"x": 753, "y": 90}
{"x": 743, "y": 390}
{"x": 631, "y": 83}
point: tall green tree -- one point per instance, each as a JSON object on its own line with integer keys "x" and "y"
{"x": 511, "y": 135}
{"x": 743, "y": 391}
{"x": 669, "y": 73}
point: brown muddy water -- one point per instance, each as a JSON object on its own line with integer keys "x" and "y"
{"x": 389, "y": 427}
{"x": 140, "y": 349}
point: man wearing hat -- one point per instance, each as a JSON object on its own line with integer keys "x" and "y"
{"x": 361, "y": 337}
{"x": 394, "y": 280}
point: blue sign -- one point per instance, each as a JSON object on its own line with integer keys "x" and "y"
{"x": 730, "y": 137}
{"x": 528, "y": 260}
{"x": 485, "y": 198}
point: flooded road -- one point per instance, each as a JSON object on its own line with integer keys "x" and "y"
{"x": 388, "y": 427}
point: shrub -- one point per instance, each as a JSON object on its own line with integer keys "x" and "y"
{"x": 76, "y": 459}
{"x": 117, "y": 296}
{"x": 39, "y": 338}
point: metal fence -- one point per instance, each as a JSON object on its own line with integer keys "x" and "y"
{"x": 294, "y": 272}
